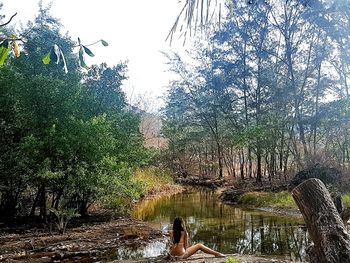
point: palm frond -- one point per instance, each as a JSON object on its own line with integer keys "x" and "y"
{"x": 195, "y": 14}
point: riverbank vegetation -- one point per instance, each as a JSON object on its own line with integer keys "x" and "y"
{"x": 156, "y": 182}
{"x": 68, "y": 139}
{"x": 148, "y": 183}
{"x": 153, "y": 180}
{"x": 282, "y": 199}
{"x": 279, "y": 200}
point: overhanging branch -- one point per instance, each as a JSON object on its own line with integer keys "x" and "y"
{"x": 8, "y": 22}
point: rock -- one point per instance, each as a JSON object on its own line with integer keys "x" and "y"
{"x": 232, "y": 195}
{"x": 328, "y": 175}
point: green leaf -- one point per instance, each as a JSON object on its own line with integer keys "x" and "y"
{"x": 104, "y": 43}
{"x": 53, "y": 55}
{"x": 81, "y": 58}
{"x": 4, "y": 51}
{"x": 88, "y": 51}
{"x": 56, "y": 55}
{"x": 46, "y": 59}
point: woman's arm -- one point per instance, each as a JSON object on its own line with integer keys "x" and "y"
{"x": 185, "y": 240}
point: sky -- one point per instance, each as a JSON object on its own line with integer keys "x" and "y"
{"x": 135, "y": 30}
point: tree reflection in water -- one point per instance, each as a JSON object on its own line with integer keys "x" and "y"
{"x": 226, "y": 228}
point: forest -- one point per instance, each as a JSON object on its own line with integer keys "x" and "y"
{"x": 263, "y": 95}
{"x": 251, "y": 150}
{"x": 66, "y": 139}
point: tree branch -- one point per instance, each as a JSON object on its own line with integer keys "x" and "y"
{"x": 12, "y": 39}
{"x": 89, "y": 44}
{"x": 8, "y": 22}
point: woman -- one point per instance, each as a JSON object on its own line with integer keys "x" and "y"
{"x": 179, "y": 237}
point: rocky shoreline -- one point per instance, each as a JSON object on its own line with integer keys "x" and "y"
{"x": 203, "y": 258}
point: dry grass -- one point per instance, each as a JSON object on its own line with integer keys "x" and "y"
{"x": 282, "y": 199}
{"x": 153, "y": 180}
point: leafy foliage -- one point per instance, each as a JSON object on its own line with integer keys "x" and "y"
{"x": 55, "y": 55}
{"x": 67, "y": 140}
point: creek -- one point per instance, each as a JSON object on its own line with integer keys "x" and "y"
{"x": 228, "y": 229}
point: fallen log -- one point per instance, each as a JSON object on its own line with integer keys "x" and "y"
{"x": 324, "y": 224}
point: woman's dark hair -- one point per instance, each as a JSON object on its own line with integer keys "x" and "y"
{"x": 178, "y": 226}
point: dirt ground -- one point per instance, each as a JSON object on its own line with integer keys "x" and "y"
{"x": 202, "y": 258}
{"x": 90, "y": 239}
{"x": 84, "y": 243}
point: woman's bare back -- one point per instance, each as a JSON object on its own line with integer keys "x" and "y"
{"x": 179, "y": 248}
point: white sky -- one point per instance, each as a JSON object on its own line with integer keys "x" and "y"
{"x": 135, "y": 30}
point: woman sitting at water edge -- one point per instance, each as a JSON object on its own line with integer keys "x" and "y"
{"x": 179, "y": 237}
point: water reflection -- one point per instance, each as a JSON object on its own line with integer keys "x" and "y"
{"x": 153, "y": 249}
{"x": 226, "y": 228}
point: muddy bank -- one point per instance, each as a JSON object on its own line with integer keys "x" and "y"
{"x": 89, "y": 239}
{"x": 88, "y": 242}
{"x": 198, "y": 181}
{"x": 232, "y": 194}
{"x": 166, "y": 190}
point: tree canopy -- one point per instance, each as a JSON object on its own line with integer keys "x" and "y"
{"x": 67, "y": 139}
{"x": 264, "y": 94}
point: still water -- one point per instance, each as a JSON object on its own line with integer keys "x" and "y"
{"x": 225, "y": 228}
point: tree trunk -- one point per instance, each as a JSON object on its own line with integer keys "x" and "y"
{"x": 250, "y": 163}
{"x": 258, "y": 157}
{"x": 8, "y": 207}
{"x": 326, "y": 228}
{"x": 32, "y": 211}
{"x": 241, "y": 163}
{"x": 83, "y": 209}
{"x": 43, "y": 203}
{"x": 219, "y": 150}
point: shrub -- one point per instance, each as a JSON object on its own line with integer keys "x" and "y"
{"x": 282, "y": 199}
{"x": 152, "y": 179}
{"x": 63, "y": 217}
